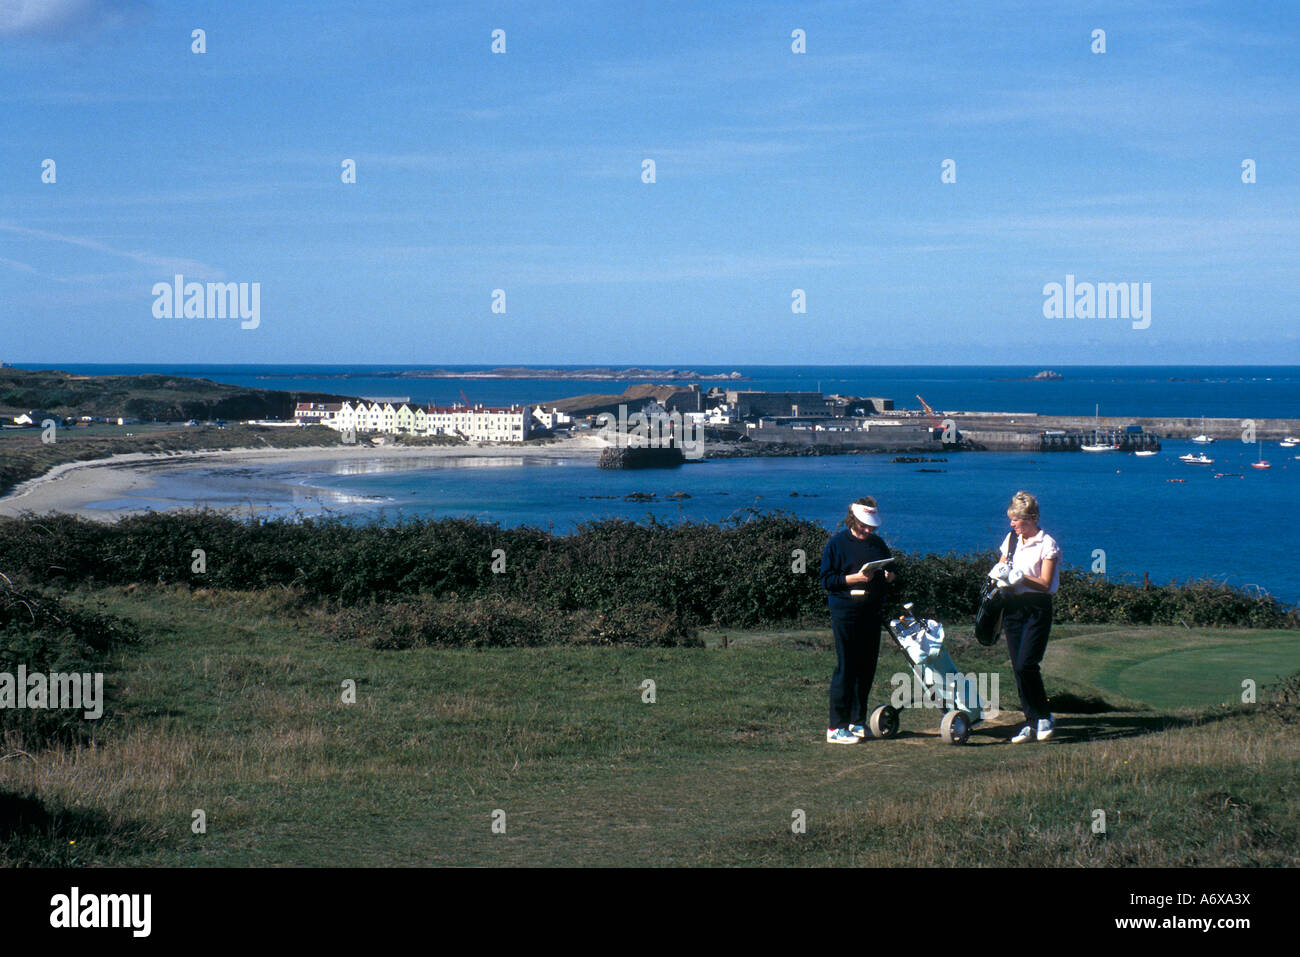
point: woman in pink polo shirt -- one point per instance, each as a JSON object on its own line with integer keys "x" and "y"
{"x": 1032, "y": 576}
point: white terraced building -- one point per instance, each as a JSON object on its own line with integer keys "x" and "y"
{"x": 476, "y": 423}
{"x": 308, "y": 413}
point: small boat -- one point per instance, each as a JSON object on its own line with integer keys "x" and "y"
{"x": 1261, "y": 464}
{"x": 1097, "y": 445}
{"x": 1203, "y": 439}
{"x": 1289, "y": 443}
{"x": 1191, "y": 459}
{"x": 1228, "y": 475}
{"x": 1175, "y": 480}
{"x": 1145, "y": 453}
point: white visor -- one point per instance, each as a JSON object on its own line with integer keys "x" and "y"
{"x": 865, "y": 514}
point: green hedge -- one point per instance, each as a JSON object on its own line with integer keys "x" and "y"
{"x": 739, "y": 574}
{"x": 45, "y": 634}
{"x": 500, "y": 623}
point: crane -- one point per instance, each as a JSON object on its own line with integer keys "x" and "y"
{"x": 934, "y": 416}
{"x": 937, "y": 427}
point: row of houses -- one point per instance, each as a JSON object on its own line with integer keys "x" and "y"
{"x": 34, "y": 417}
{"x": 719, "y": 408}
{"x": 476, "y": 423}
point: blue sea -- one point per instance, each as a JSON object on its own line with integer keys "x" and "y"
{"x": 1153, "y": 515}
{"x": 1189, "y": 391}
{"x": 1113, "y": 508}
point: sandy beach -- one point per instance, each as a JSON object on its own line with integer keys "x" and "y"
{"x": 74, "y": 486}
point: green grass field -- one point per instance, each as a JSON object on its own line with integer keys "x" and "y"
{"x": 232, "y": 704}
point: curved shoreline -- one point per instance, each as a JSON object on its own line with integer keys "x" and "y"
{"x": 72, "y": 487}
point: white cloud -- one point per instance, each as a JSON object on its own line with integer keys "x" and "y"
{"x": 60, "y": 18}
{"x": 169, "y": 263}
{"x": 17, "y": 266}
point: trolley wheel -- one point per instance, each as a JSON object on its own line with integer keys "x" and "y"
{"x": 884, "y": 722}
{"x": 955, "y": 728}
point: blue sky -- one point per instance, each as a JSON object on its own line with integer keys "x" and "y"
{"x": 775, "y": 171}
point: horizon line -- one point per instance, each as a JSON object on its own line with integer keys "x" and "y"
{"x": 666, "y": 366}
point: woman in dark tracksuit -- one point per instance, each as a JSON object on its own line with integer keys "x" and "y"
{"x": 856, "y": 619}
{"x": 1031, "y": 577}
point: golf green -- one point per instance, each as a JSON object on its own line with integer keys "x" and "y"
{"x": 1167, "y": 670}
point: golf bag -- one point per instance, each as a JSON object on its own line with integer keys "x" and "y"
{"x": 988, "y": 617}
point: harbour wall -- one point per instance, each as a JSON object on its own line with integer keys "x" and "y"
{"x": 1017, "y": 432}
{"x": 1223, "y": 430}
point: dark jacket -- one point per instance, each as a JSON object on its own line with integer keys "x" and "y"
{"x": 843, "y": 556}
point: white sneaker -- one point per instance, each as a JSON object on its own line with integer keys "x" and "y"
{"x": 1046, "y": 728}
{"x": 859, "y": 731}
{"x": 840, "y": 736}
{"x": 1026, "y": 734}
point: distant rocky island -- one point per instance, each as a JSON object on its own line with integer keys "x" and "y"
{"x": 1047, "y": 375}
{"x": 524, "y": 372}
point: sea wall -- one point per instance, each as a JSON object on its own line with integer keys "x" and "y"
{"x": 886, "y": 438}
{"x": 1267, "y": 430}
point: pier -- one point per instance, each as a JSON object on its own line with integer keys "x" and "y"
{"x": 641, "y": 458}
{"x": 1075, "y": 441}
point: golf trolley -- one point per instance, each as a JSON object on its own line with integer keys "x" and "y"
{"x": 921, "y": 640}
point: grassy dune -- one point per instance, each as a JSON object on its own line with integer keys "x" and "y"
{"x": 148, "y": 396}
{"x": 23, "y": 456}
{"x": 231, "y": 704}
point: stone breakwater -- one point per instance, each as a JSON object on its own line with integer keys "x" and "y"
{"x": 640, "y": 458}
{"x": 757, "y": 450}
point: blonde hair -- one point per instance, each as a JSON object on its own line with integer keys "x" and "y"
{"x": 1023, "y": 505}
{"x": 851, "y": 520}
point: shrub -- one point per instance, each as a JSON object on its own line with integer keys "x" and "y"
{"x": 1282, "y": 700}
{"x": 45, "y": 634}
{"x": 498, "y": 623}
{"x": 734, "y": 574}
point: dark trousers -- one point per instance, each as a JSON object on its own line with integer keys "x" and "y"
{"x": 857, "y": 646}
{"x": 1028, "y": 623}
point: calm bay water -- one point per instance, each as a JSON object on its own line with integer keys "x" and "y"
{"x": 1234, "y": 529}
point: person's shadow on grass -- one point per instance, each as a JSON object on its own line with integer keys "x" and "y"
{"x": 1084, "y": 728}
